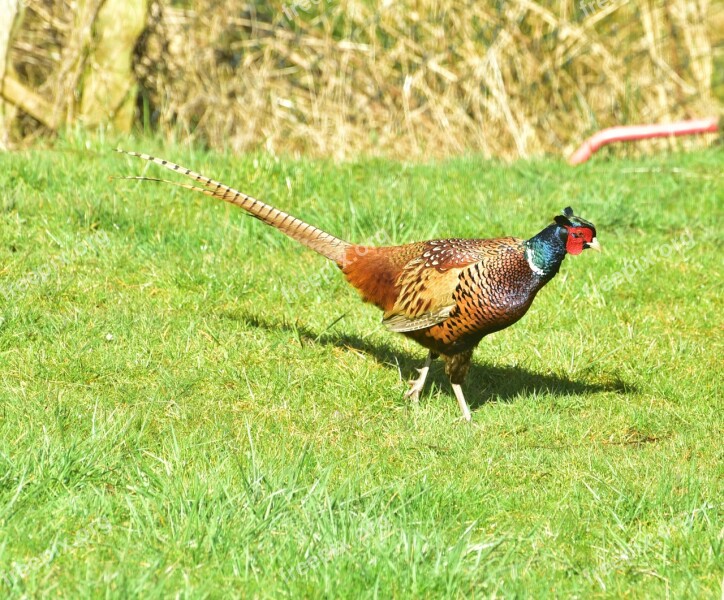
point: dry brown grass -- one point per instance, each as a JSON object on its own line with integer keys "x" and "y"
{"x": 418, "y": 79}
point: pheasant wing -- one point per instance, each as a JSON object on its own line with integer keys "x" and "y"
{"x": 427, "y": 283}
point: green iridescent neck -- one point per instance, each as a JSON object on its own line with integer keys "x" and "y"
{"x": 545, "y": 251}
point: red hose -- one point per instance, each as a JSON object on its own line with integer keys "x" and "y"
{"x": 630, "y": 133}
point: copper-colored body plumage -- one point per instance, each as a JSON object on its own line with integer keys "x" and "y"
{"x": 444, "y": 294}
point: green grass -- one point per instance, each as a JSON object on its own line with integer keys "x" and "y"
{"x": 193, "y": 405}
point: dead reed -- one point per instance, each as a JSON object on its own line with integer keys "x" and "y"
{"x": 408, "y": 79}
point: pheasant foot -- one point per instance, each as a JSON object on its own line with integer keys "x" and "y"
{"x": 416, "y": 385}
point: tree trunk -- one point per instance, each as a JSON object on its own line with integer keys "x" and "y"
{"x": 8, "y": 13}
{"x": 108, "y": 82}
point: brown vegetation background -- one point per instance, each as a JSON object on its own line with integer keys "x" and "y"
{"x": 403, "y": 79}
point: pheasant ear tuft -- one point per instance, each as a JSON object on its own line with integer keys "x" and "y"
{"x": 564, "y": 220}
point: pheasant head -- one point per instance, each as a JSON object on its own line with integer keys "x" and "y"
{"x": 568, "y": 234}
{"x": 581, "y": 234}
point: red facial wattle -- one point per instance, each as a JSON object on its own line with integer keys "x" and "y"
{"x": 577, "y": 237}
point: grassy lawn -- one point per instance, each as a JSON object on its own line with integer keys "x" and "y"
{"x": 194, "y": 405}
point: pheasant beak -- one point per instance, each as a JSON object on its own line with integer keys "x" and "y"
{"x": 594, "y": 245}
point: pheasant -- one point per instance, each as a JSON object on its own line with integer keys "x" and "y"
{"x": 448, "y": 294}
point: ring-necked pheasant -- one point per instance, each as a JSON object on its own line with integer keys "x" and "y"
{"x": 444, "y": 294}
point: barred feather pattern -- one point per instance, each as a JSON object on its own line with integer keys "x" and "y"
{"x": 490, "y": 295}
{"x": 320, "y": 241}
{"x": 448, "y": 294}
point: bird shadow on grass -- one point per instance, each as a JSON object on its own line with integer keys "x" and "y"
{"x": 501, "y": 384}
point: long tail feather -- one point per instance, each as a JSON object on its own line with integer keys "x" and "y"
{"x": 324, "y": 243}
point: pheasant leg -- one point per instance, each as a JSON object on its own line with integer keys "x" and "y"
{"x": 457, "y": 367}
{"x": 461, "y": 401}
